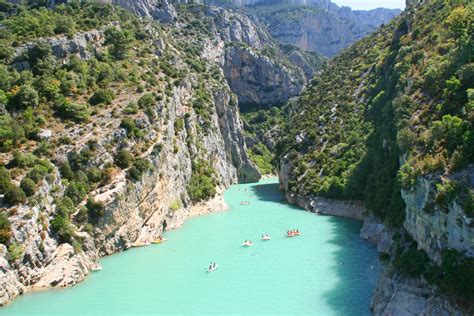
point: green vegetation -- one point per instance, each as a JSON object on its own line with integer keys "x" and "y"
{"x": 455, "y": 274}
{"x": 396, "y": 93}
{"x": 257, "y": 124}
{"x": 102, "y": 96}
{"x": 139, "y": 167}
{"x": 123, "y": 159}
{"x": 15, "y": 252}
{"x": 202, "y": 185}
{"x": 176, "y": 205}
{"x": 5, "y": 229}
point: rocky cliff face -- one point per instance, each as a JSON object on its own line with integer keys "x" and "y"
{"x": 325, "y": 32}
{"x": 258, "y": 81}
{"x": 134, "y": 212}
{"x": 437, "y": 228}
{"x": 319, "y": 26}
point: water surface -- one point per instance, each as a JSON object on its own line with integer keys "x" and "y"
{"x": 326, "y": 271}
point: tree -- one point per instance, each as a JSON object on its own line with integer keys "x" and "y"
{"x": 76, "y": 112}
{"x": 121, "y": 41}
{"x": 28, "y": 186}
{"x": 5, "y": 228}
{"x": 5, "y": 180}
{"x": 123, "y": 159}
{"x": 27, "y": 96}
{"x": 102, "y": 96}
{"x": 14, "y": 195}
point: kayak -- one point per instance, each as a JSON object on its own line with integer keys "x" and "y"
{"x": 247, "y": 244}
{"x": 214, "y": 268}
{"x": 158, "y": 241}
{"x": 266, "y": 238}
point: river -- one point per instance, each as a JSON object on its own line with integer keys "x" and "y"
{"x": 327, "y": 270}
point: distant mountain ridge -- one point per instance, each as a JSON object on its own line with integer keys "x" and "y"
{"x": 316, "y": 25}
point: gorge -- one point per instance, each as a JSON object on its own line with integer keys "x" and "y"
{"x": 120, "y": 119}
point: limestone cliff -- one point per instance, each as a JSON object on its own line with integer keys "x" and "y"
{"x": 173, "y": 136}
{"x": 320, "y": 26}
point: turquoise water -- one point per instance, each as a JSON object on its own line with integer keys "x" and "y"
{"x": 326, "y": 271}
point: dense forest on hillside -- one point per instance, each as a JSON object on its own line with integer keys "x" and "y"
{"x": 397, "y": 105}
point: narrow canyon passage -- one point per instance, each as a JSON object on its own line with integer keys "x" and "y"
{"x": 328, "y": 270}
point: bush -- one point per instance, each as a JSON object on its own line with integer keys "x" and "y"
{"x": 123, "y": 159}
{"x": 22, "y": 160}
{"x": 26, "y": 97}
{"x": 61, "y": 226}
{"x": 102, "y": 96}
{"x": 28, "y": 186}
{"x": 75, "y": 112}
{"x": 14, "y": 195}
{"x": 175, "y": 205}
{"x": 457, "y": 274}
{"x": 77, "y": 191}
{"x": 66, "y": 171}
{"x": 139, "y": 167}
{"x": 412, "y": 262}
{"x": 146, "y": 100}
{"x": 5, "y": 180}
{"x": 129, "y": 125}
{"x": 202, "y": 185}
{"x": 95, "y": 210}
{"x": 5, "y": 228}
{"x": 446, "y": 193}
{"x": 120, "y": 40}
{"x": 131, "y": 108}
{"x": 15, "y": 251}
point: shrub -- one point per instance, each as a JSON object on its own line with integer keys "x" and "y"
{"x": 446, "y": 193}
{"x": 15, "y": 251}
{"x": 22, "y": 160}
{"x": 26, "y": 97}
{"x": 457, "y": 274}
{"x": 120, "y": 40}
{"x": 14, "y": 195}
{"x": 175, "y": 205}
{"x": 77, "y": 191}
{"x": 102, "y": 96}
{"x": 146, "y": 100}
{"x": 202, "y": 185}
{"x": 139, "y": 167}
{"x": 28, "y": 186}
{"x": 5, "y": 228}
{"x": 95, "y": 210}
{"x": 129, "y": 125}
{"x": 61, "y": 226}
{"x": 412, "y": 262}
{"x": 131, "y": 108}
{"x": 5, "y": 180}
{"x": 123, "y": 159}
{"x": 66, "y": 171}
{"x": 75, "y": 112}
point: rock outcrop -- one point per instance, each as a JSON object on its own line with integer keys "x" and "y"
{"x": 399, "y": 296}
{"x": 317, "y": 204}
{"x": 316, "y": 25}
{"x": 435, "y": 228}
{"x": 257, "y": 80}
{"x": 134, "y": 212}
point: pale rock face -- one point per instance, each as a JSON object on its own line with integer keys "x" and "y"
{"x": 398, "y": 296}
{"x": 257, "y": 80}
{"x": 375, "y": 232}
{"x": 433, "y": 228}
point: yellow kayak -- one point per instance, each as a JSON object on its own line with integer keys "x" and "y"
{"x": 159, "y": 241}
